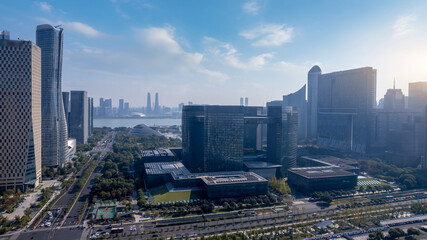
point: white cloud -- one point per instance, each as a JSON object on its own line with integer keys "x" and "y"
{"x": 45, "y": 7}
{"x": 251, "y": 7}
{"x": 404, "y": 25}
{"x": 229, "y": 56}
{"x": 151, "y": 53}
{"x": 164, "y": 50}
{"x": 122, "y": 13}
{"x": 269, "y": 35}
{"x": 83, "y": 29}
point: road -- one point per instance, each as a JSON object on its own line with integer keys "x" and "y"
{"x": 72, "y": 218}
{"x": 69, "y": 230}
{"x": 228, "y": 225}
{"x": 300, "y": 211}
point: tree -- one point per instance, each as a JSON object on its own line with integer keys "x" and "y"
{"x": 413, "y": 231}
{"x": 396, "y": 232}
{"x": 325, "y": 197}
{"x": 378, "y": 235}
{"x": 207, "y": 207}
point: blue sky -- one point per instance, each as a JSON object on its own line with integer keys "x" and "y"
{"x": 214, "y": 52}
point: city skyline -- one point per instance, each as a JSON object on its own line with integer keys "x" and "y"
{"x": 261, "y": 52}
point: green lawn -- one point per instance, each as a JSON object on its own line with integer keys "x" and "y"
{"x": 161, "y": 194}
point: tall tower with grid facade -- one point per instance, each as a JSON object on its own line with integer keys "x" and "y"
{"x": 20, "y": 114}
{"x": 54, "y": 125}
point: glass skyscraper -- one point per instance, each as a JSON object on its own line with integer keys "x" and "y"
{"x": 54, "y": 125}
{"x": 79, "y": 118}
{"x": 20, "y": 114}
{"x": 282, "y": 135}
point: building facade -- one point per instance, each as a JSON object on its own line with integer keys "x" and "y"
{"x": 346, "y": 101}
{"x": 282, "y": 135}
{"x": 20, "y": 114}
{"x": 79, "y": 116}
{"x": 417, "y": 96}
{"x": 312, "y": 96}
{"x": 297, "y": 100}
{"x": 148, "y": 109}
{"x": 394, "y": 100}
{"x": 66, "y": 102}
{"x": 54, "y": 125}
{"x": 223, "y": 138}
{"x": 90, "y": 116}
{"x": 193, "y": 137}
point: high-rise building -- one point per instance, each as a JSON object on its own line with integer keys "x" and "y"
{"x": 148, "y": 109}
{"x": 394, "y": 100}
{"x": 417, "y": 96}
{"x": 312, "y": 95}
{"x": 246, "y": 101}
{"x": 90, "y": 116}
{"x": 54, "y": 126}
{"x": 156, "y": 104}
{"x": 180, "y": 106}
{"x": 193, "y": 137}
{"x": 282, "y": 134}
{"x": 66, "y": 101}
{"x": 121, "y": 106}
{"x": 126, "y": 108}
{"x": 345, "y": 104}
{"x": 20, "y": 114}
{"x": 79, "y": 116}
{"x": 252, "y": 138}
{"x": 297, "y": 99}
{"x": 214, "y": 137}
{"x": 4, "y": 35}
{"x": 241, "y": 101}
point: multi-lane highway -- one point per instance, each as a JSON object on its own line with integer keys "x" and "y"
{"x": 62, "y": 225}
{"x": 301, "y": 211}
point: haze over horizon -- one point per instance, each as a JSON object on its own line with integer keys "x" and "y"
{"x": 214, "y": 52}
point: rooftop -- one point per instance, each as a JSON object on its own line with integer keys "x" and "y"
{"x": 159, "y": 152}
{"x": 174, "y": 168}
{"x": 321, "y": 172}
{"x": 142, "y": 130}
{"x": 216, "y": 178}
{"x": 178, "y": 172}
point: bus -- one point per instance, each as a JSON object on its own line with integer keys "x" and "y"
{"x": 116, "y": 230}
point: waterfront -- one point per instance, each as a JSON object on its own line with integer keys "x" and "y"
{"x": 132, "y": 122}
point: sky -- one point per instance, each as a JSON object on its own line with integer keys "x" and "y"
{"x": 216, "y": 51}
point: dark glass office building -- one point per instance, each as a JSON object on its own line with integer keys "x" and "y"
{"x": 54, "y": 126}
{"x": 193, "y": 137}
{"x": 297, "y": 99}
{"x": 282, "y": 131}
{"x": 223, "y": 139}
{"x": 90, "y": 116}
{"x": 66, "y": 101}
{"x": 79, "y": 116}
{"x": 346, "y": 102}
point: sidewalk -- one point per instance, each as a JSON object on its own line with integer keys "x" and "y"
{"x": 31, "y": 198}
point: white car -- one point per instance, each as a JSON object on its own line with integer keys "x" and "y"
{"x": 132, "y": 229}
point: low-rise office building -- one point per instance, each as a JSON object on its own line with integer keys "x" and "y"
{"x": 158, "y": 155}
{"x": 212, "y": 184}
{"x": 323, "y": 173}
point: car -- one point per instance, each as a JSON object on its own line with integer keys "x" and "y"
{"x": 132, "y": 229}
{"x": 106, "y": 234}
